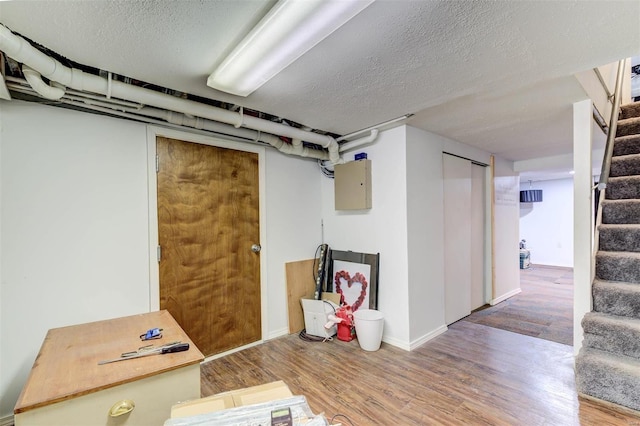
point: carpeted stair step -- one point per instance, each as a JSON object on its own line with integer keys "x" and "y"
{"x": 616, "y": 298}
{"x": 628, "y": 126}
{"x": 625, "y": 165}
{"x": 629, "y": 111}
{"x": 626, "y": 145}
{"x": 621, "y": 211}
{"x": 618, "y": 266}
{"x": 624, "y": 187}
{"x": 619, "y": 238}
{"x": 610, "y": 333}
{"x": 608, "y": 377}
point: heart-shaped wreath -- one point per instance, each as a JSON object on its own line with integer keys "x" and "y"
{"x": 358, "y": 278}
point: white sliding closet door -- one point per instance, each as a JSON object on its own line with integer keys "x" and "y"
{"x": 457, "y": 237}
{"x": 464, "y": 233}
{"x": 478, "y": 197}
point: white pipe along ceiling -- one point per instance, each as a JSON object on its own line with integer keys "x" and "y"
{"x": 151, "y": 103}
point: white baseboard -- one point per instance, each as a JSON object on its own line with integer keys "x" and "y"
{"x": 278, "y": 333}
{"x": 389, "y": 340}
{"x": 397, "y": 343}
{"x": 564, "y": 268}
{"x": 417, "y": 342}
{"x": 272, "y": 335}
{"x": 7, "y": 420}
{"x": 424, "y": 339}
{"x": 505, "y": 296}
{"x": 234, "y": 350}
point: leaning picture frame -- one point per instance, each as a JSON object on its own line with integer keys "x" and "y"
{"x": 355, "y": 277}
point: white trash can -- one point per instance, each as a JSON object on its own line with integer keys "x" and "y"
{"x": 369, "y": 324}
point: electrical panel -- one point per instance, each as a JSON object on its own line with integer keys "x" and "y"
{"x": 352, "y": 182}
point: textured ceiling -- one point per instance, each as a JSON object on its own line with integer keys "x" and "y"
{"x": 493, "y": 74}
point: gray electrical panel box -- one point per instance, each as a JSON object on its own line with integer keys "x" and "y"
{"x": 352, "y": 182}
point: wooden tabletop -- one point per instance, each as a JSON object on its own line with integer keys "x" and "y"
{"x": 67, "y": 365}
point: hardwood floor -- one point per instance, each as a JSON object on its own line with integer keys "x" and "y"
{"x": 471, "y": 374}
{"x": 543, "y": 309}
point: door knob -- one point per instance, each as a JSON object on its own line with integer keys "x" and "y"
{"x": 256, "y": 248}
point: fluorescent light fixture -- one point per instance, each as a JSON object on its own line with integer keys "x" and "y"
{"x": 288, "y": 31}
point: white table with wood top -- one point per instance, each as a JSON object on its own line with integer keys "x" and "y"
{"x": 67, "y": 386}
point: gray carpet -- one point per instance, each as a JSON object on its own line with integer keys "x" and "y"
{"x": 608, "y": 365}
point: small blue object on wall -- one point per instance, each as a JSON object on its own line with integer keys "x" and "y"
{"x": 361, "y": 156}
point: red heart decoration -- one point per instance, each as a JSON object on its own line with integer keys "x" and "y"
{"x": 358, "y": 278}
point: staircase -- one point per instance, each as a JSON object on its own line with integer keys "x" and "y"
{"x": 608, "y": 365}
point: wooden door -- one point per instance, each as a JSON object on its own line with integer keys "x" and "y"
{"x": 208, "y": 220}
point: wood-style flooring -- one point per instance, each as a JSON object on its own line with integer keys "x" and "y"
{"x": 543, "y": 309}
{"x": 471, "y": 374}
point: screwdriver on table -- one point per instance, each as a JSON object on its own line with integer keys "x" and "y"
{"x": 166, "y": 349}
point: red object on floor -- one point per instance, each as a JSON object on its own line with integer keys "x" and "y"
{"x": 346, "y": 330}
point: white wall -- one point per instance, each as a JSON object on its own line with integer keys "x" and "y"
{"x": 506, "y": 231}
{"x": 548, "y": 226}
{"x": 593, "y": 87}
{"x": 382, "y": 229}
{"x": 74, "y": 228}
{"x": 425, "y": 227}
{"x": 425, "y": 218}
{"x": 583, "y": 220}
{"x": 406, "y": 226}
{"x": 75, "y": 219}
{"x": 293, "y": 227}
{"x": 74, "y": 244}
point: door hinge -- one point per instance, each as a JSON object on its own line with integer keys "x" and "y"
{"x": 159, "y": 253}
{"x": 157, "y": 163}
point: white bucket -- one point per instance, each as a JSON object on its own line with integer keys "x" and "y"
{"x": 369, "y": 324}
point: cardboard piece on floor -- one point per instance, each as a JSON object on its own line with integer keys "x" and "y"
{"x": 262, "y": 393}
{"x": 237, "y": 398}
{"x": 209, "y": 404}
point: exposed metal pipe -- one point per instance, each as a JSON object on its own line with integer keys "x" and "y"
{"x": 599, "y": 119}
{"x": 70, "y": 92}
{"x": 602, "y": 82}
{"x": 150, "y": 120}
{"x": 613, "y": 127}
{"x": 35, "y": 81}
{"x": 124, "y": 104}
{"x": 359, "y": 142}
{"x": 176, "y": 119}
{"x": 23, "y": 52}
{"x": 386, "y": 124}
{"x": 196, "y": 122}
